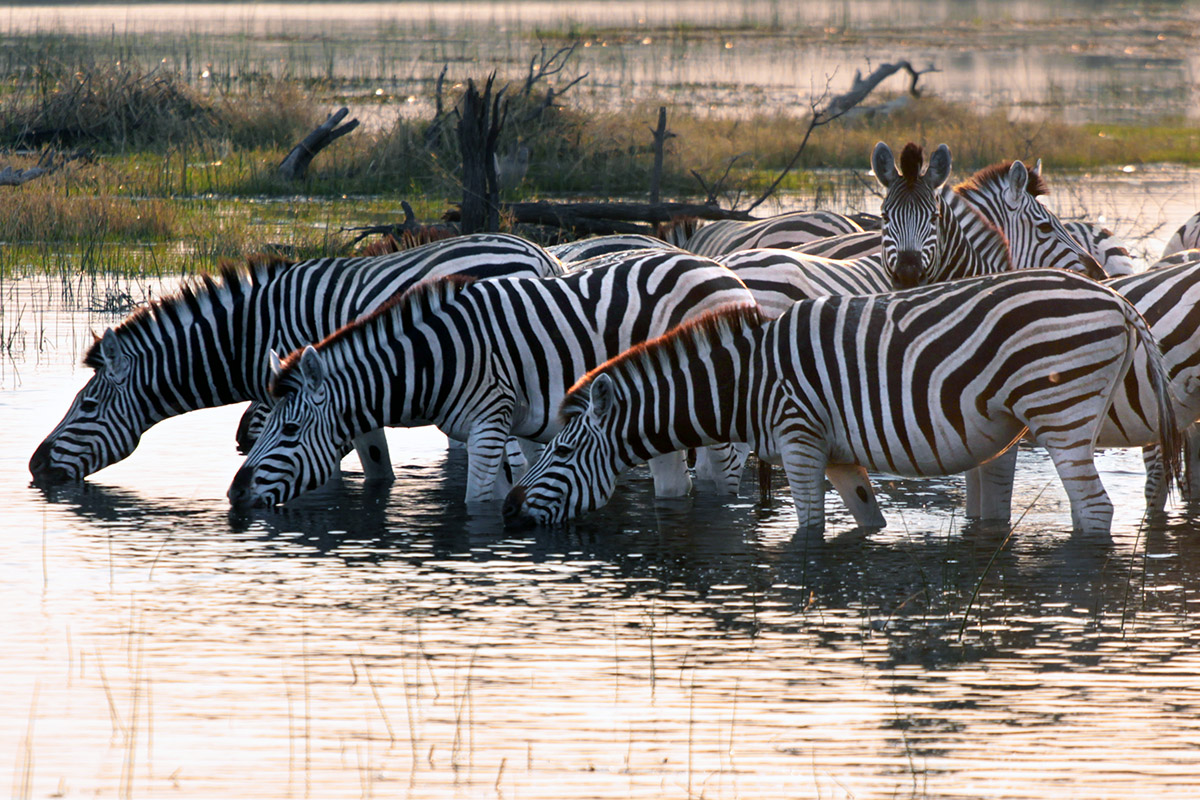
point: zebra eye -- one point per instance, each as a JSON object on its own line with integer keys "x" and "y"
{"x": 562, "y": 449}
{"x": 87, "y": 405}
{"x": 291, "y": 428}
{"x": 1045, "y": 227}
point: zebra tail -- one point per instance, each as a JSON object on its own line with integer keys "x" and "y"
{"x": 1170, "y": 435}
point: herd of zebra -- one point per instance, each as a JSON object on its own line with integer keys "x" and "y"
{"x": 926, "y": 340}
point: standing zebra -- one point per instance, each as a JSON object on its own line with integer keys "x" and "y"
{"x": 786, "y": 230}
{"x": 928, "y": 381}
{"x": 932, "y": 233}
{"x": 1166, "y": 301}
{"x": 207, "y": 345}
{"x": 480, "y": 359}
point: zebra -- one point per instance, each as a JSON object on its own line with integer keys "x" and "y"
{"x": 1111, "y": 253}
{"x": 1187, "y": 237}
{"x": 480, "y": 359}
{"x": 923, "y": 244}
{"x": 207, "y": 344}
{"x": 786, "y": 230}
{"x": 932, "y": 380}
{"x": 1166, "y": 302}
{"x": 846, "y": 247}
{"x": 584, "y": 249}
{"x": 1189, "y": 256}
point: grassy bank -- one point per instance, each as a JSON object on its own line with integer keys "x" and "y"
{"x": 178, "y": 177}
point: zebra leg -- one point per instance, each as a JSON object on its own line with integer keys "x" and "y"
{"x": 372, "y": 449}
{"x": 454, "y": 445}
{"x": 485, "y": 453}
{"x": 852, "y": 483}
{"x": 1091, "y": 508}
{"x": 804, "y": 465}
{"x": 1156, "y": 490}
{"x": 1191, "y": 459}
{"x": 992, "y": 485}
{"x": 722, "y": 464}
{"x": 670, "y": 475}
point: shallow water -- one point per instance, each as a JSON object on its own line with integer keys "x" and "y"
{"x": 391, "y": 642}
{"x": 1086, "y": 61}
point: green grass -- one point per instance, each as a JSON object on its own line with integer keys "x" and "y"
{"x": 183, "y": 176}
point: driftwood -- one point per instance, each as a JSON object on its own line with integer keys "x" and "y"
{"x": 838, "y": 106}
{"x": 48, "y": 162}
{"x": 16, "y": 177}
{"x": 295, "y": 165}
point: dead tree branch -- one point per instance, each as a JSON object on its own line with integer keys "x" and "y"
{"x": 837, "y": 106}
{"x": 541, "y": 68}
{"x": 295, "y": 165}
{"x": 661, "y": 134}
{"x": 479, "y": 125}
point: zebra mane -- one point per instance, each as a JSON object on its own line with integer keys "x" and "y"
{"x": 426, "y": 294}
{"x": 683, "y": 340}
{"x": 998, "y": 172}
{"x": 256, "y": 270}
{"x": 912, "y": 157}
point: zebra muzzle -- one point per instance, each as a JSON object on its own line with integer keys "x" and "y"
{"x": 44, "y": 470}
{"x": 513, "y": 509}
{"x": 241, "y": 492}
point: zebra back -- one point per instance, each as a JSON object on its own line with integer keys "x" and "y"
{"x": 847, "y": 247}
{"x": 780, "y": 278}
{"x": 591, "y": 247}
{"x": 785, "y": 230}
{"x": 1187, "y": 237}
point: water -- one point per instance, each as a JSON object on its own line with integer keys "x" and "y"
{"x": 390, "y": 642}
{"x": 1081, "y": 60}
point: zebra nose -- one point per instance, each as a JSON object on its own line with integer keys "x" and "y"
{"x": 514, "y": 504}
{"x": 42, "y": 467}
{"x": 909, "y": 267}
{"x": 240, "y": 496}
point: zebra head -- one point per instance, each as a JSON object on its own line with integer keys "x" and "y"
{"x": 302, "y": 440}
{"x": 578, "y": 470}
{"x": 104, "y": 423}
{"x": 911, "y": 211}
{"x": 1007, "y": 195}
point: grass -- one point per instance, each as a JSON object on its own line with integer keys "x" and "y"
{"x": 181, "y": 169}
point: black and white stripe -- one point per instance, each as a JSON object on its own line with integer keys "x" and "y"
{"x": 208, "y": 344}
{"x": 1104, "y": 245}
{"x": 1187, "y": 237}
{"x": 595, "y": 246}
{"x": 482, "y": 360}
{"x": 934, "y": 380}
{"x": 786, "y": 230}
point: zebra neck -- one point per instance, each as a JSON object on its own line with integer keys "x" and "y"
{"x": 970, "y": 245}
{"x": 692, "y": 395}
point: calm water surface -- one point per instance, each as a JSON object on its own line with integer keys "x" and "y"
{"x": 387, "y": 642}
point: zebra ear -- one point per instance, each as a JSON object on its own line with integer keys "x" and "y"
{"x": 1018, "y": 179}
{"x": 1037, "y": 168}
{"x": 938, "y": 171}
{"x": 116, "y": 362}
{"x": 604, "y": 397}
{"x": 312, "y": 368}
{"x": 276, "y": 364}
{"x": 883, "y": 164}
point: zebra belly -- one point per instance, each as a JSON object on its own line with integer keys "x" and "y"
{"x": 948, "y": 452}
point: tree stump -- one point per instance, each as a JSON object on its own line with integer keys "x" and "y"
{"x": 479, "y": 125}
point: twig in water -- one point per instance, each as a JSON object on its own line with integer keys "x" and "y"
{"x": 1129, "y": 572}
{"x": 979, "y": 584}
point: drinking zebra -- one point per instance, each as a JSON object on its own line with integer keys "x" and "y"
{"x": 928, "y": 381}
{"x": 207, "y": 345}
{"x": 482, "y": 360}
